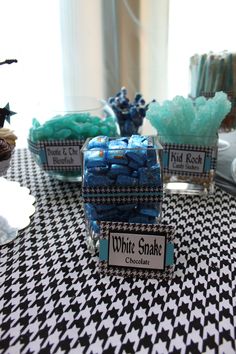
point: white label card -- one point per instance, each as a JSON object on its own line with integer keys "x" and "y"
{"x": 137, "y": 251}
{"x": 59, "y": 156}
{"x": 188, "y": 161}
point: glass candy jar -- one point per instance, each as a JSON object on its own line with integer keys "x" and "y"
{"x": 56, "y": 137}
{"x": 122, "y": 182}
{"x": 189, "y": 164}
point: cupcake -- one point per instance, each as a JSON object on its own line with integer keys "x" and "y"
{"x": 7, "y": 145}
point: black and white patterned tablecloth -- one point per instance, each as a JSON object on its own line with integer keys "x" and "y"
{"x": 53, "y": 300}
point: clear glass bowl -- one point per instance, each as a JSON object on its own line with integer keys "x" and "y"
{"x": 57, "y": 136}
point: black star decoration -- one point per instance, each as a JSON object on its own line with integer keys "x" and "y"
{"x": 5, "y": 114}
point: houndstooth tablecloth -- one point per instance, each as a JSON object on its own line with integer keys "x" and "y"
{"x": 53, "y": 300}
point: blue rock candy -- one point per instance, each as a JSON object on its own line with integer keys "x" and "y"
{"x": 181, "y": 119}
{"x": 129, "y": 114}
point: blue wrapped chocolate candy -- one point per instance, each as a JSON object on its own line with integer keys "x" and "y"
{"x": 133, "y": 213}
{"x": 133, "y": 162}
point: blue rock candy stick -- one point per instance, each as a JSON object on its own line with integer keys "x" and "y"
{"x": 177, "y": 121}
{"x": 129, "y": 114}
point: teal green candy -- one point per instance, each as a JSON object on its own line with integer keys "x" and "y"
{"x": 35, "y": 123}
{"x": 73, "y": 126}
{"x": 63, "y": 134}
{"x": 184, "y": 121}
{"x": 104, "y": 130}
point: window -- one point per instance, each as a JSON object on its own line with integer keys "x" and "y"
{"x": 93, "y": 47}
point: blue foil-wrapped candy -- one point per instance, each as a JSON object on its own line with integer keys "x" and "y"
{"x": 133, "y": 213}
{"x": 126, "y": 162}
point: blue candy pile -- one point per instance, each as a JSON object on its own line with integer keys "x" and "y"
{"x": 130, "y": 115}
{"x": 185, "y": 121}
{"x": 123, "y": 161}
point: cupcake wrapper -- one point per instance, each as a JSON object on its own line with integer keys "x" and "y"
{"x": 4, "y": 165}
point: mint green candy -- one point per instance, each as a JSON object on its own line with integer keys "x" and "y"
{"x": 94, "y": 130}
{"x": 35, "y": 123}
{"x": 63, "y": 134}
{"x": 104, "y": 130}
{"x": 184, "y": 121}
{"x": 72, "y": 126}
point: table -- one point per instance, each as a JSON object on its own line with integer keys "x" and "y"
{"x": 53, "y": 299}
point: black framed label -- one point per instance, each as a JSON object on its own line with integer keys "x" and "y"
{"x": 66, "y": 155}
{"x": 136, "y": 251}
{"x": 58, "y": 155}
{"x": 188, "y": 160}
{"x": 144, "y": 250}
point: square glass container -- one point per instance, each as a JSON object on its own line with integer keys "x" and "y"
{"x": 189, "y": 164}
{"x": 145, "y": 213}
{"x": 122, "y": 181}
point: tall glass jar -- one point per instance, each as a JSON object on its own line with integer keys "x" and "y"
{"x": 189, "y": 164}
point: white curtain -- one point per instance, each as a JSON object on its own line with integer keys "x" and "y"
{"x": 30, "y": 33}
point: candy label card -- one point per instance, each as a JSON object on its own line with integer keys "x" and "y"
{"x": 137, "y": 251}
{"x": 143, "y": 250}
{"x": 188, "y": 160}
{"x": 58, "y": 155}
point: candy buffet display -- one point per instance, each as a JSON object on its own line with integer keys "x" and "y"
{"x": 188, "y": 131}
{"x": 130, "y": 115}
{"x": 122, "y": 181}
{"x": 55, "y": 140}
